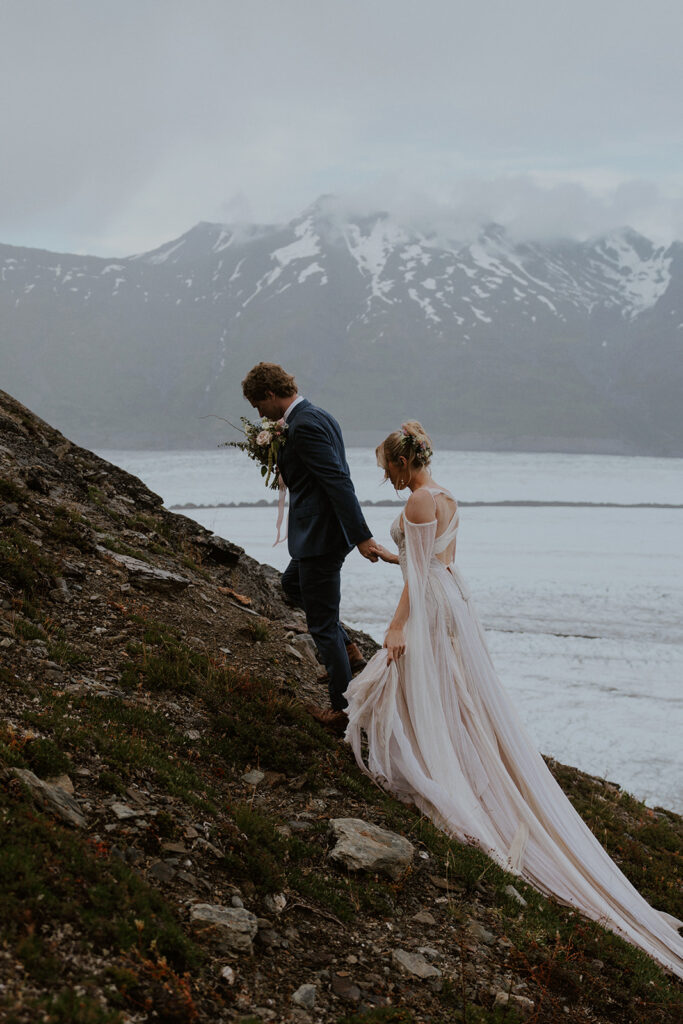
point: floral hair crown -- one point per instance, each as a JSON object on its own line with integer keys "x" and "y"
{"x": 422, "y": 452}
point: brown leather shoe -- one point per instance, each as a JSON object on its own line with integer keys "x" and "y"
{"x": 356, "y": 659}
{"x": 335, "y": 721}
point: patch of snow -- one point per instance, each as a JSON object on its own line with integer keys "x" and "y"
{"x": 236, "y": 272}
{"x": 111, "y": 267}
{"x": 425, "y": 305}
{"x": 548, "y": 303}
{"x": 313, "y": 268}
{"x": 223, "y": 240}
{"x": 163, "y": 254}
{"x": 305, "y": 246}
{"x": 430, "y": 284}
{"x": 371, "y": 252}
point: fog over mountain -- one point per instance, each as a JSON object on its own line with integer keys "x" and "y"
{"x": 492, "y": 342}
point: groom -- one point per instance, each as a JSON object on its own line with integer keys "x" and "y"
{"x": 325, "y": 522}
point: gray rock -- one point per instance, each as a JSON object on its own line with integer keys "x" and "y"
{"x": 147, "y": 576}
{"x": 415, "y": 964}
{"x": 123, "y": 812}
{"x": 305, "y": 996}
{"x": 62, "y": 782}
{"x": 521, "y": 1003}
{"x": 275, "y": 903}
{"x": 514, "y": 895}
{"x": 363, "y": 846}
{"x": 424, "y": 917}
{"x": 162, "y": 871}
{"x": 481, "y": 933}
{"x": 293, "y": 651}
{"x": 53, "y": 798}
{"x": 344, "y": 988}
{"x": 228, "y": 975}
{"x": 235, "y": 927}
{"x": 253, "y": 777}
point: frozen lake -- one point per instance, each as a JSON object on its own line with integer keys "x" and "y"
{"x": 583, "y": 607}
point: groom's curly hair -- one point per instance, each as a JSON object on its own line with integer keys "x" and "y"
{"x": 265, "y": 377}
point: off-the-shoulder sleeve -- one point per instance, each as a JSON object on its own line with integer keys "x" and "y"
{"x": 420, "y": 539}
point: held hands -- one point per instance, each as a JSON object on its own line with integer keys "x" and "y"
{"x": 386, "y": 555}
{"x": 373, "y": 551}
{"x": 395, "y": 643}
{"x": 369, "y": 549}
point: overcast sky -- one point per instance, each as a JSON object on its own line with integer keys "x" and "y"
{"x": 123, "y": 124}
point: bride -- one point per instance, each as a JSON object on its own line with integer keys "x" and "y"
{"x": 443, "y": 734}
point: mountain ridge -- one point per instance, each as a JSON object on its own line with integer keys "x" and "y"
{"x": 493, "y": 343}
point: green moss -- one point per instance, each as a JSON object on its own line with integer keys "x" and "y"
{"x": 23, "y": 565}
{"x": 51, "y": 876}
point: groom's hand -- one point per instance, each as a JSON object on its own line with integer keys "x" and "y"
{"x": 368, "y": 549}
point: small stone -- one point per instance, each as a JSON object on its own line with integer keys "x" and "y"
{"x": 173, "y": 848}
{"x": 514, "y": 895}
{"x": 275, "y": 903}
{"x": 228, "y": 975}
{"x": 54, "y": 798}
{"x": 293, "y": 652}
{"x": 162, "y": 871}
{"x": 253, "y": 777}
{"x": 481, "y": 933}
{"x": 192, "y": 734}
{"x": 305, "y": 996}
{"x": 521, "y": 1003}
{"x": 364, "y": 846}
{"x": 235, "y": 926}
{"x": 62, "y": 782}
{"x": 344, "y": 988}
{"x": 424, "y": 917}
{"x": 123, "y": 811}
{"x": 236, "y": 901}
{"x": 415, "y": 964}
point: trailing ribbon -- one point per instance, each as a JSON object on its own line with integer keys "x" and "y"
{"x": 281, "y": 512}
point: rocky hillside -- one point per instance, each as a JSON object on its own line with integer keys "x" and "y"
{"x": 175, "y": 843}
{"x": 492, "y": 343}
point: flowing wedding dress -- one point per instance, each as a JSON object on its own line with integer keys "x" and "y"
{"x": 444, "y": 735}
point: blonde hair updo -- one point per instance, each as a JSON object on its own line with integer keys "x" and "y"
{"x": 411, "y": 442}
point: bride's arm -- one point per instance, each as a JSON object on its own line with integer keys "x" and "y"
{"x": 419, "y": 509}
{"x": 395, "y": 640}
{"x": 385, "y": 555}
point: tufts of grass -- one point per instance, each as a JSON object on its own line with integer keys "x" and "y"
{"x": 68, "y": 527}
{"x": 23, "y": 565}
{"x": 45, "y": 758}
{"x": 51, "y": 877}
{"x": 258, "y": 631}
{"x": 67, "y": 1007}
{"x": 11, "y": 492}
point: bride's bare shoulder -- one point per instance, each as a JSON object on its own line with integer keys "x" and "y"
{"x": 420, "y": 507}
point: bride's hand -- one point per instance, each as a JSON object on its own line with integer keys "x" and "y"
{"x": 386, "y": 555}
{"x": 395, "y": 643}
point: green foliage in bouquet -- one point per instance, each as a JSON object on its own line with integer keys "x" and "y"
{"x": 262, "y": 442}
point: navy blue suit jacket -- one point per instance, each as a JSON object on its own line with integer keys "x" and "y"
{"x": 324, "y": 514}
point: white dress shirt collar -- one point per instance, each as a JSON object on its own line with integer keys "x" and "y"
{"x": 296, "y": 401}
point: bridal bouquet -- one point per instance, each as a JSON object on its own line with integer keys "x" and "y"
{"x": 262, "y": 442}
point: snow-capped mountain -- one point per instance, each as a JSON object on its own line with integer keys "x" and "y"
{"x": 567, "y": 345}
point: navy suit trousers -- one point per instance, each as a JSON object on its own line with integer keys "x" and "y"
{"x": 315, "y": 585}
